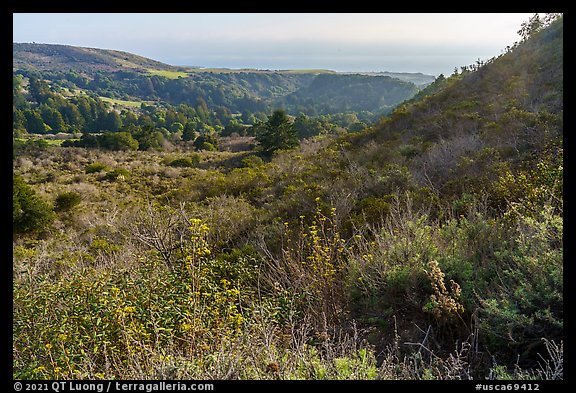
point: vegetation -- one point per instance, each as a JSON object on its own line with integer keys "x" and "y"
{"x": 332, "y": 93}
{"x": 29, "y": 212}
{"x": 201, "y": 97}
{"x": 425, "y": 245}
{"x": 67, "y": 201}
{"x": 277, "y": 133}
{"x": 168, "y": 73}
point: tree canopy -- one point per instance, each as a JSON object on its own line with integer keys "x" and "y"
{"x": 277, "y": 133}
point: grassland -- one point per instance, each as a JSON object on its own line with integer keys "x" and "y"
{"x": 310, "y": 71}
{"x": 167, "y": 73}
{"x": 259, "y": 71}
{"x": 126, "y": 103}
{"x": 49, "y": 142}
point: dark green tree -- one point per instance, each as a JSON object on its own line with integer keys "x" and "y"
{"x": 111, "y": 121}
{"x": 189, "y": 132}
{"x": 34, "y": 122}
{"x": 118, "y": 141}
{"x": 18, "y": 120}
{"x": 39, "y": 90}
{"x": 206, "y": 142}
{"x": 278, "y": 133}
{"x": 53, "y": 118}
{"x": 149, "y": 137}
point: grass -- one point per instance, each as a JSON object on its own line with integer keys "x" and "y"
{"x": 130, "y": 104}
{"x": 168, "y": 74}
{"x": 254, "y": 70}
{"x": 50, "y": 142}
{"x": 113, "y": 101}
{"x": 311, "y": 71}
{"x": 222, "y": 70}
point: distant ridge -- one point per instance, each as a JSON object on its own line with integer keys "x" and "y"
{"x": 88, "y": 60}
{"x": 51, "y": 56}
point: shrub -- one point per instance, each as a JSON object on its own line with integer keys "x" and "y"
{"x": 66, "y": 201}
{"x": 409, "y": 151}
{"x": 526, "y": 302}
{"x": 251, "y": 161}
{"x": 313, "y": 264}
{"x": 118, "y": 141}
{"x": 29, "y": 212}
{"x": 231, "y": 218}
{"x": 186, "y": 162}
{"x": 207, "y": 146}
{"x": 117, "y": 174}
{"x": 206, "y": 142}
{"x": 96, "y": 167}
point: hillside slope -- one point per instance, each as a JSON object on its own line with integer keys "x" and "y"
{"x": 79, "y": 59}
{"x": 506, "y": 109}
{"x": 328, "y": 93}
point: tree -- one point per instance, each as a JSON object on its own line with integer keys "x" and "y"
{"x": 128, "y": 118}
{"x": 34, "y": 122}
{"x": 278, "y": 133}
{"x": 53, "y": 118}
{"x": 202, "y": 109}
{"x": 176, "y": 127}
{"x": 118, "y": 141}
{"x": 111, "y": 121}
{"x": 206, "y": 142}
{"x": 39, "y": 90}
{"x": 531, "y": 26}
{"x": 536, "y": 23}
{"x": 149, "y": 137}
{"x": 18, "y": 120}
{"x": 189, "y": 133}
{"x": 234, "y": 127}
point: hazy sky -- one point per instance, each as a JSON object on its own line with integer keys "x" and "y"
{"x": 428, "y": 43}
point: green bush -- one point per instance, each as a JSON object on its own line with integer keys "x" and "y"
{"x": 67, "y": 201}
{"x": 186, "y": 162}
{"x": 526, "y": 303}
{"x": 29, "y": 212}
{"x": 207, "y": 146}
{"x": 118, "y": 141}
{"x": 117, "y": 174}
{"x": 251, "y": 161}
{"x": 206, "y": 142}
{"x": 96, "y": 167}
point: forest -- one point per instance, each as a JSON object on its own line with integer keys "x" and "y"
{"x": 334, "y": 227}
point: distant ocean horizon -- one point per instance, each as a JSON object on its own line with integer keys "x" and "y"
{"x": 426, "y": 64}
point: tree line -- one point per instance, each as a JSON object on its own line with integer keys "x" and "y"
{"x": 39, "y": 108}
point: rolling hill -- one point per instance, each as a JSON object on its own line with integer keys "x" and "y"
{"x": 79, "y": 59}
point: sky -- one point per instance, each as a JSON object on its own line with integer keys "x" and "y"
{"x": 431, "y": 43}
